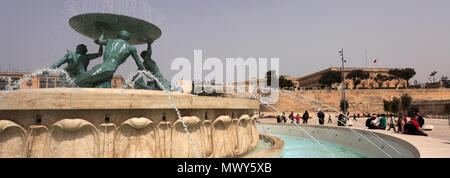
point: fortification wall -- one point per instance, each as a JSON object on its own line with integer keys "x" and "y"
{"x": 360, "y": 101}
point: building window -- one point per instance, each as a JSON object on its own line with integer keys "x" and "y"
{"x": 51, "y": 83}
{"x": 58, "y": 84}
{"x": 114, "y": 84}
{"x": 3, "y": 84}
{"x": 14, "y": 82}
{"x": 42, "y": 82}
{"x": 14, "y": 79}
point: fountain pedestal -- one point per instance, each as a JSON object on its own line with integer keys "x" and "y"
{"x": 83, "y": 122}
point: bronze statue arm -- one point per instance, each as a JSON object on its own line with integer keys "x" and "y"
{"x": 102, "y": 41}
{"x": 96, "y": 55}
{"x": 60, "y": 62}
{"x": 136, "y": 59}
{"x": 149, "y": 50}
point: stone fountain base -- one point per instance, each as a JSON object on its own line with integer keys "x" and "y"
{"x": 112, "y": 123}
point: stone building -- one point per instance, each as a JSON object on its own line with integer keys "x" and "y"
{"x": 49, "y": 81}
{"x": 312, "y": 80}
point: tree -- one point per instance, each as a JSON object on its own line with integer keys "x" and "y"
{"x": 285, "y": 83}
{"x": 387, "y": 106}
{"x": 406, "y": 102}
{"x": 357, "y": 76}
{"x": 341, "y": 105}
{"x": 395, "y": 107}
{"x": 380, "y": 79}
{"x": 407, "y": 74}
{"x": 330, "y": 77}
{"x": 396, "y": 74}
{"x": 432, "y": 75}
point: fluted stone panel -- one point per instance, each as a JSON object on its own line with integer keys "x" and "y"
{"x": 12, "y": 140}
{"x": 72, "y": 138}
{"x": 134, "y": 138}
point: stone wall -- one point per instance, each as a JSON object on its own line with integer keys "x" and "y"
{"x": 360, "y": 101}
{"x": 432, "y": 108}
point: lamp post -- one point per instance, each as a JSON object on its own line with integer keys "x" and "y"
{"x": 342, "y": 80}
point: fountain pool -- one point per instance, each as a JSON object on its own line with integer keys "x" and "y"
{"x": 341, "y": 142}
{"x": 295, "y": 147}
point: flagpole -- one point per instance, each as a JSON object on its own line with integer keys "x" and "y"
{"x": 343, "y": 80}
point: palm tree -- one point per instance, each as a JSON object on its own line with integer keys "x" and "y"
{"x": 432, "y": 75}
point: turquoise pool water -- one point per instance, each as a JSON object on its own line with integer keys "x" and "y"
{"x": 295, "y": 147}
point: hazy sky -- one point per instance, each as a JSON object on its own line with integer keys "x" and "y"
{"x": 305, "y": 34}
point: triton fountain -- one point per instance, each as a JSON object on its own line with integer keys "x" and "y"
{"x": 96, "y": 121}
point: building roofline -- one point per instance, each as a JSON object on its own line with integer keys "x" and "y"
{"x": 14, "y": 73}
{"x": 346, "y": 69}
{"x": 118, "y": 76}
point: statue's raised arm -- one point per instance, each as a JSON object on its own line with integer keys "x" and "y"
{"x": 149, "y": 50}
{"x": 136, "y": 58}
{"x": 102, "y": 41}
{"x": 98, "y": 54}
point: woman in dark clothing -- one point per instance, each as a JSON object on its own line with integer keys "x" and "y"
{"x": 305, "y": 117}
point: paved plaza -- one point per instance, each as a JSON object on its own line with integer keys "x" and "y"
{"x": 436, "y": 145}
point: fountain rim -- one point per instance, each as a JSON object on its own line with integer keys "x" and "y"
{"x": 104, "y": 99}
{"x": 150, "y": 30}
{"x": 275, "y": 151}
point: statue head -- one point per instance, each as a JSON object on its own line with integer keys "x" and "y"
{"x": 144, "y": 54}
{"x": 82, "y": 49}
{"x": 124, "y": 35}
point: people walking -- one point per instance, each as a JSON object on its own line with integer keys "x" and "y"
{"x": 391, "y": 123}
{"x": 401, "y": 123}
{"x": 321, "y": 117}
{"x": 291, "y": 117}
{"x": 329, "y": 119}
{"x": 305, "y": 117}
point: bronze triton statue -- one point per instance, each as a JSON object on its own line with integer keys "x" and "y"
{"x": 151, "y": 66}
{"x": 116, "y": 52}
{"x": 77, "y": 61}
{"x": 130, "y": 31}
